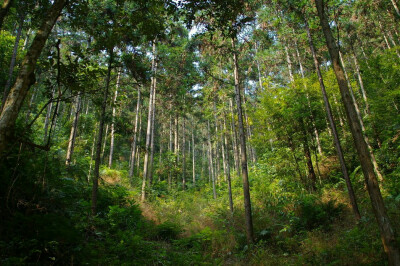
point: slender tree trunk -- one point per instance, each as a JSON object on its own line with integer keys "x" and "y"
{"x": 4, "y": 10}
{"x": 149, "y": 125}
{"x": 104, "y": 145}
{"x": 296, "y": 160}
{"x": 193, "y": 157}
{"x": 48, "y": 116}
{"x": 308, "y": 102}
{"x": 307, "y": 154}
{"x": 289, "y": 62}
{"x": 248, "y": 129}
{"x": 138, "y": 141}
{"x": 236, "y": 145}
{"x": 228, "y": 171}
{"x": 210, "y": 160}
{"x": 170, "y": 147}
{"x": 183, "y": 154}
{"x": 396, "y": 7}
{"x": 258, "y": 70}
{"x": 374, "y": 162}
{"x": 97, "y": 162}
{"x": 74, "y": 127}
{"x": 152, "y": 147}
{"x": 386, "y": 229}
{"x": 361, "y": 82}
{"x": 332, "y": 125}
{"x": 26, "y": 77}
{"x": 110, "y": 158}
{"x": 13, "y": 59}
{"x": 242, "y": 137}
{"x": 135, "y": 133}
{"x": 364, "y": 95}
{"x": 91, "y": 155}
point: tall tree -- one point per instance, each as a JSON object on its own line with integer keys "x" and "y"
{"x": 385, "y": 227}
{"x": 26, "y": 77}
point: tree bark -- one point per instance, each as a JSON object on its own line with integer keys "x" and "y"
{"x": 104, "y": 145}
{"x": 97, "y": 162}
{"x": 149, "y": 126}
{"x": 242, "y": 137}
{"x": 210, "y": 160}
{"x": 193, "y": 158}
{"x": 183, "y": 154}
{"x": 228, "y": 171}
{"x": 26, "y": 77}
{"x": 74, "y": 127}
{"x": 135, "y": 133}
{"x": 110, "y": 157}
{"x": 396, "y": 7}
{"x": 13, "y": 59}
{"x": 386, "y": 229}
{"x": 307, "y": 154}
{"x": 48, "y": 115}
{"x": 236, "y": 151}
{"x": 332, "y": 125}
{"x": 371, "y": 151}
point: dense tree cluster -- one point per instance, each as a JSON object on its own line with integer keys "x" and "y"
{"x": 110, "y": 102}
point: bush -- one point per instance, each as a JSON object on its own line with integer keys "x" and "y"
{"x": 313, "y": 213}
{"x": 167, "y": 231}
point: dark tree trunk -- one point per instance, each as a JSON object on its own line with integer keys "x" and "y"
{"x": 307, "y": 154}
{"x": 242, "y": 138}
{"x": 97, "y": 162}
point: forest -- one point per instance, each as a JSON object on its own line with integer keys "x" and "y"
{"x": 210, "y": 132}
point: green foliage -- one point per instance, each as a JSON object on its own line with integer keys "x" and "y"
{"x": 167, "y": 231}
{"x": 311, "y": 213}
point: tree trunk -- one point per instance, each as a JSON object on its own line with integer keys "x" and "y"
{"x": 13, "y": 59}
{"x": 104, "y": 145}
{"x": 152, "y": 146}
{"x": 228, "y": 171}
{"x": 170, "y": 147}
{"x": 48, "y": 116}
{"x": 236, "y": 152}
{"x": 183, "y": 154}
{"x": 4, "y": 10}
{"x": 361, "y": 82}
{"x": 138, "y": 141}
{"x": 386, "y": 229}
{"x": 26, "y": 77}
{"x": 289, "y": 62}
{"x": 91, "y": 155}
{"x": 110, "y": 158}
{"x": 135, "y": 133}
{"x": 97, "y": 162}
{"x": 210, "y": 160}
{"x": 193, "y": 157}
{"x": 396, "y": 7}
{"x": 307, "y": 154}
{"x": 74, "y": 127}
{"x": 332, "y": 125}
{"x": 149, "y": 125}
{"x": 242, "y": 137}
{"x": 374, "y": 162}
{"x": 308, "y": 102}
